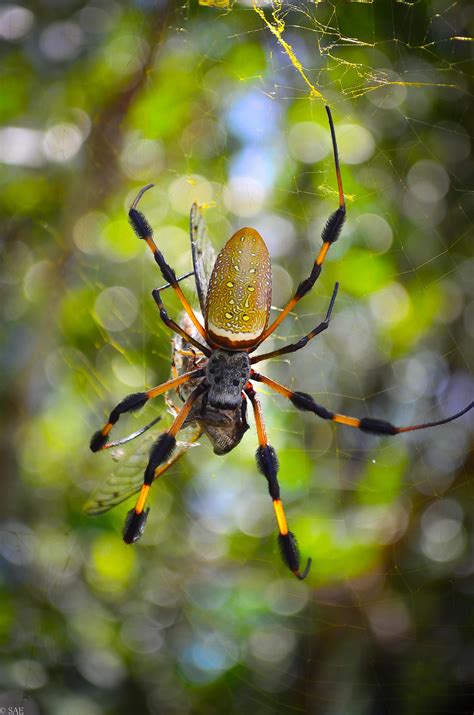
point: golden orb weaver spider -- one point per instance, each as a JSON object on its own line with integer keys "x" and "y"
{"x": 236, "y": 315}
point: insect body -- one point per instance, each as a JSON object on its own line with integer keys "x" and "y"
{"x": 218, "y": 382}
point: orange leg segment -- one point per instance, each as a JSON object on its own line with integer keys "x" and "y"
{"x": 330, "y": 234}
{"x": 170, "y": 323}
{"x": 302, "y": 342}
{"x": 134, "y": 402}
{"x": 305, "y": 402}
{"x": 267, "y": 463}
{"x": 143, "y": 230}
{"x": 160, "y": 453}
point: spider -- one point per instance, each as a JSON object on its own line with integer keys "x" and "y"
{"x": 220, "y": 379}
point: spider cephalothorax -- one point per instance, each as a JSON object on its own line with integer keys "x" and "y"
{"x": 218, "y": 377}
{"x": 227, "y": 374}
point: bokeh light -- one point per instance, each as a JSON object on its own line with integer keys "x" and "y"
{"x": 222, "y": 103}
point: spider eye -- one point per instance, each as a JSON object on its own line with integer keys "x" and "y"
{"x": 235, "y": 382}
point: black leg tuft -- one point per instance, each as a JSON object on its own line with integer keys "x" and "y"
{"x": 139, "y": 224}
{"x": 159, "y": 453}
{"x": 134, "y": 525}
{"x": 334, "y": 224}
{"x": 131, "y": 403}
{"x": 267, "y": 460}
{"x": 291, "y": 556}
{"x": 98, "y": 440}
{"x": 267, "y": 463}
{"x": 289, "y": 550}
{"x": 375, "y": 426}
{"x": 303, "y": 401}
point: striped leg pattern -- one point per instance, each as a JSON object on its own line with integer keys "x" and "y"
{"x": 303, "y": 401}
{"x": 159, "y": 453}
{"x": 267, "y": 463}
{"x": 144, "y": 231}
{"x": 135, "y": 402}
{"x": 330, "y": 234}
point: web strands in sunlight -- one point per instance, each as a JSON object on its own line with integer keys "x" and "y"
{"x": 320, "y": 44}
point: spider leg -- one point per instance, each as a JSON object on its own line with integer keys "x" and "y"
{"x": 267, "y": 463}
{"x": 330, "y": 234}
{"x": 305, "y": 402}
{"x": 143, "y": 230}
{"x": 134, "y": 402}
{"x": 302, "y": 342}
{"x": 170, "y": 323}
{"x": 174, "y": 369}
{"x": 134, "y": 435}
{"x": 160, "y": 452}
{"x": 181, "y": 278}
{"x": 189, "y": 353}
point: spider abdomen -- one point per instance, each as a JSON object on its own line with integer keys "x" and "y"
{"x": 240, "y": 291}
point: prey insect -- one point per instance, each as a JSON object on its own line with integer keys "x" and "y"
{"x": 216, "y": 377}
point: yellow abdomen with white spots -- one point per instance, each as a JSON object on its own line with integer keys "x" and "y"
{"x": 240, "y": 292}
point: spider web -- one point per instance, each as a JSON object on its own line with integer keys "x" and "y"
{"x": 388, "y": 522}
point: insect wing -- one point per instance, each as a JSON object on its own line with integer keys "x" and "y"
{"x": 204, "y": 255}
{"x": 127, "y": 478}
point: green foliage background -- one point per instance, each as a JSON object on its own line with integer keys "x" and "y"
{"x": 201, "y": 616}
